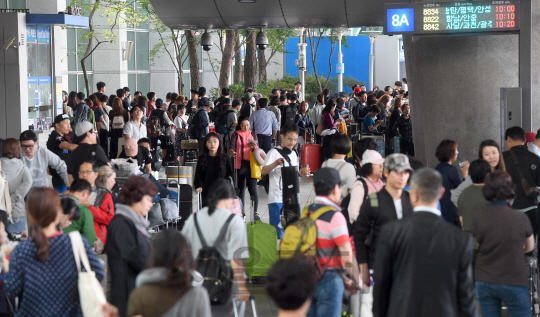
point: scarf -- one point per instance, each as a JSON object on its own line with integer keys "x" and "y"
{"x": 242, "y": 154}
{"x": 140, "y": 223}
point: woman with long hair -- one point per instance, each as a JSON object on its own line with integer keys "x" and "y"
{"x": 328, "y": 122}
{"x": 240, "y": 152}
{"x": 72, "y": 101}
{"x": 217, "y": 215}
{"x": 117, "y": 115}
{"x": 491, "y": 152}
{"x": 303, "y": 121}
{"x": 165, "y": 286}
{"x": 316, "y": 115}
{"x": 181, "y": 124}
{"x": 42, "y": 270}
{"x": 394, "y": 115}
{"x": 212, "y": 164}
{"x": 104, "y": 201}
{"x": 382, "y": 103}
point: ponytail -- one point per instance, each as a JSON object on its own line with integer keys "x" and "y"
{"x": 41, "y": 242}
{"x": 212, "y": 203}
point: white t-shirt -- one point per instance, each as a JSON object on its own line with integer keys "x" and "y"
{"x": 399, "y": 208}
{"x": 135, "y": 131}
{"x": 346, "y": 170}
{"x": 275, "y": 192}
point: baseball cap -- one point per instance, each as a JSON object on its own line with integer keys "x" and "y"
{"x": 248, "y": 96}
{"x": 357, "y": 90}
{"x": 373, "y": 157}
{"x": 397, "y": 162}
{"x": 327, "y": 175}
{"x": 61, "y": 117}
{"x": 28, "y": 135}
{"x": 81, "y": 129}
{"x": 131, "y": 147}
{"x": 208, "y": 103}
{"x": 530, "y": 136}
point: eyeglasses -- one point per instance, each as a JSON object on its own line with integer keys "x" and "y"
{"x": 86, "y": 172}
{"x": 137, "y": 111}
{"x": 28, "y": 147}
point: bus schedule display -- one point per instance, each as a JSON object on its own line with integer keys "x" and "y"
{"x": 453, "y": 17}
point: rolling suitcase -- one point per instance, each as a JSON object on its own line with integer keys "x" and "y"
{"x": 185, "y": 204}
{"x": 310, "y": 154}
{"x": 253, "y": 307}
{"x": 263, "y": 253}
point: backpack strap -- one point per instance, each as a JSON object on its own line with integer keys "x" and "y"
{"x": 223, "y": 230}
{"x": 363, "y": 181}
{"x": 317, "y": 213}
{"x": 340, "y": 166}
{"x": 201, "y": 237}
{"x": 285, "y": 155}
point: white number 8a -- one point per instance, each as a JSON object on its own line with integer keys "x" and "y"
{"x": 396, "y": 21}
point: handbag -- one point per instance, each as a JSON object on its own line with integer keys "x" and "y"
{"x": 256, "y": 168}
{"x": 342, "y": 127}
{"x": 320, "y": 129}
{"x": 91, "y": 293}
{"x": 530, "y": 191}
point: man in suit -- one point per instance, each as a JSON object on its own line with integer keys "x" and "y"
{"x": 424, "y": 264}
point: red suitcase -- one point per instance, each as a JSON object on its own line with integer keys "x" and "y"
{"x": 310, "y": 154}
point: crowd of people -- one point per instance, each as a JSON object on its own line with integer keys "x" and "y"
{"x": 401, "y": 239}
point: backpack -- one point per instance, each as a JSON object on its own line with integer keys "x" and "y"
{"x": 345, "y": 204}
{"x": 266, "y": 178}
{"x": 118, "y": 122}
{"x": 194, "y": 124}
{"x": 221, "y": 122}
{"x": 214, "y": 268}
{"x": 154, "y": 124}
{"x": 300, "y": 237}
{"x": 80, "y": 114}
{"x": 5, "y": 198}
{"x": 245, "y": 111}
{"x": 290, "y": 114}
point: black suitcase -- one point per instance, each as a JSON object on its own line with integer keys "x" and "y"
{"x": 185, "y": 207}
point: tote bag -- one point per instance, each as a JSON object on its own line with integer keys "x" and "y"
{"x": 256, "y": 168}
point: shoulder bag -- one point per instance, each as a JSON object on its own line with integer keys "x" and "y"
{"x": 530, "y": 191}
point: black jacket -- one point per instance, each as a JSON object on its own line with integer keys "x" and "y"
{"x": 423, "y": 268}
{"x": 386, "y": 212}
{"x": 530, "y": 168}
{"x": 128, "y": 252}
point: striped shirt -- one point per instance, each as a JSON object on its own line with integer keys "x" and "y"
{"x": 263, "y": 121}
{"x": 331, "y": 233}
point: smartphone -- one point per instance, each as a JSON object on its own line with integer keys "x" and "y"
{"x": 253, "y": 141}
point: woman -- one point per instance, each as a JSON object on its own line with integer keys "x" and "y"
{"x": 128, "y": 241}
{"x": 119, "y": 117}
{"x": 143, "y": 102}
{"x": 212, "y": 164}
{"x": 303, "y": 121}
{"x": 165, "y": 287}
{"x": 70, "y": 212}
{"x": 341, "y": 111}
{"x": 371, "y": 173}
{"x": 111, "y": 100}
{"x": 340, "y": 147}
{"x": 104, "y": 122}
{"x": 20, "y": 181}
{"x": 240, "y": 145}
{"x": 382, "y": 103}
{"x": 42, "y": 270}
{"x": 328, "y": 122}
{"x": 316, "y": 115}
{"x": 103, "y": 202}
{"x": 72, "y": 101}
{"x": 503, "y": 235}
{"x": 216, "y": 215}
{"x": 447, "y": 154}
{"x": 396, "y": 113}
{"x": 489, "y": 151}
{"x": 180, "y": 122}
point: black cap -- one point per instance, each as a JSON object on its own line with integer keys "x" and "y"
{"x": 61, "y": 117}
{"x": 28, "y": 135}
{"x": 327, "y": 175}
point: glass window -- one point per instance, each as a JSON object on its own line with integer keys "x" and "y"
{"x": 143, "y": 83}
{"x": 17, "y": 4}
{"x": 82, "y": 83}
{"x": 3, "y": 4}
{"x": 132, "y": 82}
{"x": 142, "y": 48}
{"x": 72, "y": 86}
{"x": 131, "y": 62}
{"x": 187, "y": 83}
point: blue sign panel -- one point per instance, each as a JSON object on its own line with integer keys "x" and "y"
{"x": 400, "y": 20}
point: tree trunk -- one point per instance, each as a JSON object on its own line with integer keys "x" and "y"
{"x": 250, "y": 62}
{"x": 237, "y": 58}
{"x": 193, "y": 59}
{"x": 226, "y": 60}
{"x": 262, "y": 66}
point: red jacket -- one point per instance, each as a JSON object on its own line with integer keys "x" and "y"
{"x": 103, "y": 216}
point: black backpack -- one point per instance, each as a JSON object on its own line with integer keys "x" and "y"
{"x": 266, "y": 178}
{"x": 245, "y": 111}
{"x": 345, "y": 204}
{"x": 221, "y": 122}
{"x": 194, "y": 125}
{"x": 290, "y": 114}
{"x": 214, "y": 268}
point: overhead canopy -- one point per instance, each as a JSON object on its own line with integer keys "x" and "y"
{"x": 272, "y": 14}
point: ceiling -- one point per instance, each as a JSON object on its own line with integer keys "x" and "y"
{"x": 272, "y": 14}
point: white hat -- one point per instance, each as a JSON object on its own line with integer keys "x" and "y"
{"x": 373, "y": 157}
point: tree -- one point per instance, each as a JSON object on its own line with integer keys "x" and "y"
{"x": 250, "y": 62}
{"x": 117, "y": 11}
{"x": 314, "y": 38}
{"x": 192, "y": 43}
{"x": 237, "y": 58}
{"x": 276, "y": 43}
{"x": 226, "y": 60}
{"x": 167, "y": 36}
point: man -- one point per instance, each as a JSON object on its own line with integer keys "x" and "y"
{"x": 363, "y": 87}
{"x": 121, "y": 93}
{"x": 388, "y": 91}
{"x": 264, "y": 125}
{"x": 403, "y": 129}
{"x": 192, "y": 104}
{"x": 38, "y": 159}
{"x": 100, "y": 89}
{"x": 297, "y": 91}
{"x": 247, "y": 107}
{"x": 275, "y": 159}
{"x": 61, "y": 147}
{"x": 80, "y": 192}
{"x": 334, "y": 251}
{"x": 88, "y": 150}
{"x": 371, "y": 100}
{"x": 151, "y": 102}
{"x": 135, "y": 98}
{"x": 274, "y": 108}
{"x": 276, "y": 92}
{"x": 167, "y": 101}
{"x": 326, "y": 93}
{"x": 534, "y": 146}
{"x": 529, "y": 169}
{"x": 134, "y": 128}
{"x": 389, "y": 204}
{"x": 291, "y": 284}
{"x": 199, "y": 123}
{"x": 225, "y": 94}
{"x": 370, "y": 125}
{"x": 81, "y": 109}
{"x": 424, "y": 264}
{"x": 127, "y": 95}
{"x": 358, "y": 104}
{"x": 202, "y": 97}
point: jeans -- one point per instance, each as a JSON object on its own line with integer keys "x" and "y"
{"x": 265, "y": 142}
{"x": 115, "y": 135}
{"x": 516, "y": 298}
{"x": 274, "y": 211}
{"x": 406, "y": 147}
{"x": 328, "y": 296}
{"x": 252, "y": 188}
{"x": 58, "y": 184}
{"x": 162, "y": 190}
{"x": 18, "y": 225}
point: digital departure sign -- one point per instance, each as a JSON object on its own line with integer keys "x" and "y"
{"x": 453, "y": 17}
